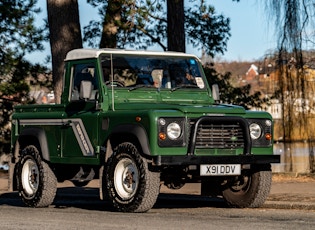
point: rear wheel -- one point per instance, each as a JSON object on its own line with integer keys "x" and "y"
{"x": 250, "y": 189}
{"x": 130, "y": 185}
{"x": 37, "y": 183}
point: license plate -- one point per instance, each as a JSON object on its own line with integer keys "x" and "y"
{"x": 220, "y": 170}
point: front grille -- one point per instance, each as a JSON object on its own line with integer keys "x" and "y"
{"x": 221, "y": 136}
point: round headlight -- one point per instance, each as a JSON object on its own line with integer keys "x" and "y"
{"x": 255, "y": 131}
{"x": 173, "y": 131}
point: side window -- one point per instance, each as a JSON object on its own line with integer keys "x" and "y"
{"x": 83, "y": 73}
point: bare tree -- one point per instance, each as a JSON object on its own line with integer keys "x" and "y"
{"x": 64, "y": 34}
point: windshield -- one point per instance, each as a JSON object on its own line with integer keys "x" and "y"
{"x": 163, "y": 72}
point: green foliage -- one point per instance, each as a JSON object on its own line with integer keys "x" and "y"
{"x": 233, "y": 95}
{"x": 143, "y": 24}
{"x": 18, "y": 36}
{"x": 207, "y": 30}
{"x": 13, "y": 90}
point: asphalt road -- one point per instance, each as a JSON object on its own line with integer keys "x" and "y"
{"x": 80, "y": 208}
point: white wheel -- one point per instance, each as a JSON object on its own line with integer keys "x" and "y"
{"x": 37, "y": 183}
{"x": 30, "y": 177}
{"x": 126, "y": 178}
{"x": 128, "y": 183}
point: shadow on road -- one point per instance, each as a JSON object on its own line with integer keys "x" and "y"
{"x": 88, "y": 198}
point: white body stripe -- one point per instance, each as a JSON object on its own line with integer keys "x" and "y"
{"x": 77, "y": 126}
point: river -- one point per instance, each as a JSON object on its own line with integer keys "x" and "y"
{"x": 297, "y": 157}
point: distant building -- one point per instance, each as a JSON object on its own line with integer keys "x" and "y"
{"x": 42, "y": 97}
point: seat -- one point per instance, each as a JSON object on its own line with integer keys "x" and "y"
{"x": 79, "y": 78}
{"x": 157, "y": 75}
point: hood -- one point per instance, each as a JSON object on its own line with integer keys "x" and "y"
{"x": 184, "y": 108}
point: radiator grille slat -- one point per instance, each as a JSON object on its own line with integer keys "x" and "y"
{"x": 219, "y": 136}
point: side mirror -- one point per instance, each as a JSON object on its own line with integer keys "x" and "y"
{"x": 215, "y": 92}
{"x": 85, "y": 90}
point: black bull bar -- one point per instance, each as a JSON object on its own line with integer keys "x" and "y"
{"x": 191, "y": 159}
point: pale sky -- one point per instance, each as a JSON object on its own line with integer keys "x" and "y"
{"x": 251, "y": 36}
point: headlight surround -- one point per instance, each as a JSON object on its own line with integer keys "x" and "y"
{"x": 173, "y": 131}
{"x": 255, "y": 131}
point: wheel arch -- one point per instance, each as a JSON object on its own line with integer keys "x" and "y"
{"x": 28, "y": 136}
{"x": 132, "y": 133}
{"x": 35, "y": 136}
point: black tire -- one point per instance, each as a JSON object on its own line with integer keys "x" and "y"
{"x": 250, "y": 190}
{"x": 37, "y": 183}
{"x": 130, "y": 185}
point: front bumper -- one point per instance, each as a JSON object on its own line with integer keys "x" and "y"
{"x": 197, "y": 160}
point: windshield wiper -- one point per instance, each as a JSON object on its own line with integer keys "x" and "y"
{"x": 140, "y": 86}
{"x": 184, "y": 86}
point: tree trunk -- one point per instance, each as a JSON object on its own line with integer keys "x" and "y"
{"x": 175, "y": 28}
{"x": 110, "y": 24}
{"x": 64, "y": 34}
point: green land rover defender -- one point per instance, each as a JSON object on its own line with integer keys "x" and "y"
{"x": 136, "y": 120}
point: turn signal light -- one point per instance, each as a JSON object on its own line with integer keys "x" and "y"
{"x": 162, "y": 136}
{"x": 268, "y": 136}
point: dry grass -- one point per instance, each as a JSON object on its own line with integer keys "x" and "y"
{"x": 292, "y": 177}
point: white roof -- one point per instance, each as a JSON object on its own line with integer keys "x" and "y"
{"x": 253, "y": 67}
{"x": 94, "y": 53}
